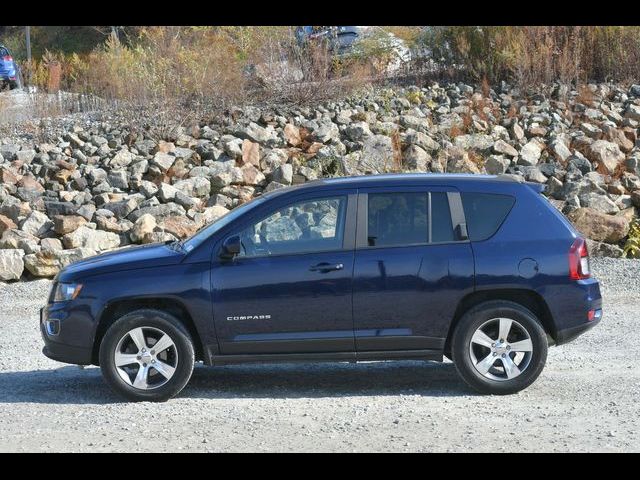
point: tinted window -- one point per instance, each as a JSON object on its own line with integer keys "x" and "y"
{"x": 442, "y": 228}
{"x": 485, "y": 212}
{"x": 397, "y": 219}
{"x": 308, "y": 226}
{"x": 4, "y": 52}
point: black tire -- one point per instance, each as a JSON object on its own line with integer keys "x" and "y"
{"x": 153, "y": 321}
{"x": 477, "y": 317}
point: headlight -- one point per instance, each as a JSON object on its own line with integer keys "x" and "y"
{"x": 66, "y": 291}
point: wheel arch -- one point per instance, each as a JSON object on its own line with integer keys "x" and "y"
{"x": 118, "y": 308}
{"x": 527, "y": 298}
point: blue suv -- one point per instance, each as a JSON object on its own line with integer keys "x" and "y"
{"x": 480, "y": 269}
{"x": 9, "y": 71}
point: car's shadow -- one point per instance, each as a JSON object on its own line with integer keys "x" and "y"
{"x": 72, "y": 385}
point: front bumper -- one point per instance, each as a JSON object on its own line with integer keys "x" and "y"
{"x": 61, "y": 339}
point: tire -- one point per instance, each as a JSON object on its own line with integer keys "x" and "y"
{"x": 123, "y": 339}
{"x": 474, "y": 352}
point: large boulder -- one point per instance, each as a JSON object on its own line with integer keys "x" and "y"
{"x": 145, "y": 225}
{"x": 48, "y": 263}
{"x": 458, "y": 161}
{"x": 6, "y": 224}
{"x": 599, "y": 226}
{"x": 11, "y": 264}
{"x": 85, "y": 237}
{"x": 19, "y": 239}
{"x": 607, "y": 154}
{"x": 377, "y": 155}
{"x": 37, "y": 224}
{"x": 530, "y": 153}
{"x": 63, "y": 224}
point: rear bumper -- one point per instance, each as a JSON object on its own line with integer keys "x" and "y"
{"x": 568, "y": 334}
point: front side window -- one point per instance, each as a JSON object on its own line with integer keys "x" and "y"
{"x": 308, "y": 226}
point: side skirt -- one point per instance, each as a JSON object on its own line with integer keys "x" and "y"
{"x": 352, "y": 357}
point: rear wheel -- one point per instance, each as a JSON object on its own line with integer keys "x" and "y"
{"x": 499, "y": 347}
{"x": 147, "y": 355}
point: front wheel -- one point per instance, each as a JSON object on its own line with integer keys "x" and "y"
{"x": 147, "y": 355}
{"x": 499, "y": 347}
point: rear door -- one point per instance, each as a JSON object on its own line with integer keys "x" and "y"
{"x": 412, "y": 267}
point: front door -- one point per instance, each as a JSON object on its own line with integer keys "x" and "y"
{"x": 289, "y": 289}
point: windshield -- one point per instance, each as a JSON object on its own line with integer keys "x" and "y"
{"x": 208, "y": 230}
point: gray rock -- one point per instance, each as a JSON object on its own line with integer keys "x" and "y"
{"x": 633, "y": 112}
{"x": 48, "y": 263}
{"x": 530, "y": 153}
{"x": 476, "y": 141}
{"x": 158, "y": 211}
{"x": 415, "y": 158}
{"x": 606, "y": 153}
{"x": 11, "y": 264}
{"x": 601, "y": 249}
{"x": 122, "y": 208}
{"x": 85, "y": 237}
{"x": 502, "y": 147}
{"x": 496, "y": 165}
{"x": 357, "y": 131}
{"x": 377, "y": 155}
{"x": 19, "y": 239}
{"x": 163, "y": 161}
{"x": 36, "y": 224}
{"x": 119, "y": 179}
{"x": 283, "y": 174}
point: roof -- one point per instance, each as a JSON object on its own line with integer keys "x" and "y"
{"x": 413, "y": 178}
{"x": 400, "y": 179}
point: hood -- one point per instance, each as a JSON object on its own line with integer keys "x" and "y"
{"x": 130, "y": 258}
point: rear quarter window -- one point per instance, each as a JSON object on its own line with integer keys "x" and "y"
{"x": 485, "y": 212}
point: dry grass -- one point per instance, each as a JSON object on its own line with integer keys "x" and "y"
{"x": 537, "y": 55}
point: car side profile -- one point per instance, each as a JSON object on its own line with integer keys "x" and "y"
{"x": 480, "y": 269}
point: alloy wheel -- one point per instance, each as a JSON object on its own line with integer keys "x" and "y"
{"x": 146, "y": 358}
{"x": 501, "y": 349}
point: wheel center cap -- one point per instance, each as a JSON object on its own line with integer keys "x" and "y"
{"x": 501, "y": 348}
{"x": 146, "y": 357}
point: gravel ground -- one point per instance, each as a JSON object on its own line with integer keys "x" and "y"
{"x": 585, "y": 400}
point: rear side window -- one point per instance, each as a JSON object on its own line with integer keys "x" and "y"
{"x": 397, "y": 219}
{"x": 4, "y": 52}
{"x": 485, "y": 212}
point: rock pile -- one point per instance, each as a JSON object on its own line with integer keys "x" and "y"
{"x": 100, "y": 185}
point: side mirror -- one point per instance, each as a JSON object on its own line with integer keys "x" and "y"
{"x": 231, "y": 247}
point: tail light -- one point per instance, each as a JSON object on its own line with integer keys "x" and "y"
{"x": 7, "y": 58}
{"x": 579, "y": 267}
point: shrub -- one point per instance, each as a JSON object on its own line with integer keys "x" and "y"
{"x": 632, "y": 245}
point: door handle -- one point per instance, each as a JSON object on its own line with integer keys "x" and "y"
{"x": 325, "y": 267}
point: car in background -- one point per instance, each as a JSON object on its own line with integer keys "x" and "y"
{"x": 340, "y": 40}
{"x": 9, "y": 70}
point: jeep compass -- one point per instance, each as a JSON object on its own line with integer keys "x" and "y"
{"x": 480, "y": 269}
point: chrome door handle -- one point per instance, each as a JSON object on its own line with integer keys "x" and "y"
{"x": 326, "y": 267}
